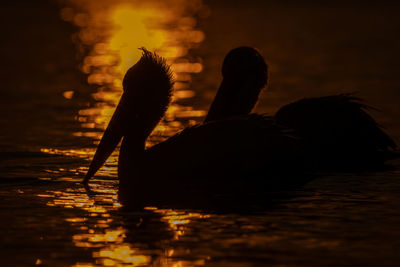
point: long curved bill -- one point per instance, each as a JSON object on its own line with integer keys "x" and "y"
{"x": 111, "y": 137}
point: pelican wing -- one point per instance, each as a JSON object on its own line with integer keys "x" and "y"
{"x": 339, "y": 125}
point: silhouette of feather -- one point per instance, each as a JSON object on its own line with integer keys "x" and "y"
{"x": 339, "y": 125}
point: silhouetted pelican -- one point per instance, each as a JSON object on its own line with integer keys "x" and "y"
{"x": 336, "y": 130}
{"x": 240, "y": 154}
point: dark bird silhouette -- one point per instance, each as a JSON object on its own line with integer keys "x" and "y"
{"x": 336, "y": 130}
{"x": 239, "y": 155}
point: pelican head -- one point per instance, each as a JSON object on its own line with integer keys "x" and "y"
{"x": 149, "y": 78}
{"x": 245, "y": 63}
{"x": 245, "y": 75}
{"x": 147, "y": 93}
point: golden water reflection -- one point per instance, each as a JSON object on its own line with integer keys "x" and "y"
{"x": 98, "y": 231}
{"x": 110, "y": 33}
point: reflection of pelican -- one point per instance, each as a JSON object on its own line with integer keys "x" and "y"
{"x": 213, "y": 155}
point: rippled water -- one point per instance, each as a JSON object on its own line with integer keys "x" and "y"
{"x": 62, "y": 63}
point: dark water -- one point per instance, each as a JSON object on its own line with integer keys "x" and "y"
{"x": 52, "y": 118}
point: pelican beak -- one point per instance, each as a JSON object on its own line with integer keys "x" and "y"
{"x": 111, "y": 137}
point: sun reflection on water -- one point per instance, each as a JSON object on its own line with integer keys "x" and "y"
{"x": 98, "y": 231}
{"x": 177, "y": 220}
{"x": 110, "y": 33}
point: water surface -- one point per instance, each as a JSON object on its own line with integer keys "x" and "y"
{"x": 62, "y": 63}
